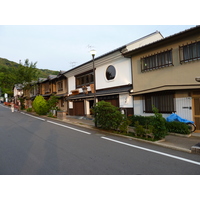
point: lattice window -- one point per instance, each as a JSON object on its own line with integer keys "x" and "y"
{"x": 163, "y": 101}
{"x": 189, "y": 52}
{"x": 157, "y": 61}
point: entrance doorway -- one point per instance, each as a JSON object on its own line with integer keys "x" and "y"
{"x": 79, "y": 108}
{"x": 91, "y": 105}
{"x": 196, "y": 112}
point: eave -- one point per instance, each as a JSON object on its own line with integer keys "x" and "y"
{"x": 173, "y": 38}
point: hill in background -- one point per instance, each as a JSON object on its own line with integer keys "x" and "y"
{"x": 43, "y": 73}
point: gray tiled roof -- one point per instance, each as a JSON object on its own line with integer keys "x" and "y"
{"x": 106, "y": 92}
{"x": 19, "y": 86}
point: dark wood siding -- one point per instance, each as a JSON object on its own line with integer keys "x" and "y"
{"x": 113, "y": 99}
{"x": 114, "y": 102}
{"x": 197, "y": 112}
{"x": 78, "y": 108}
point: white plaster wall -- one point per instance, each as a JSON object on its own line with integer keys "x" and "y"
{"x": 146, "y": 40}
{"x": 70, "y": 105}
{"x": 125, "y": 101}
{"x": 71, "y": 84}
{"x": 15, "y": 91}
{"x": 87, "y": 107}
{"x": 123, "y": 74}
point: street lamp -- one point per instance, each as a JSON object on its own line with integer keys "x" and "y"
{"x": 93, "y": 53}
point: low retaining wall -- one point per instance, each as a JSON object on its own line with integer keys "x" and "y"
{"x": 61, "y": 115}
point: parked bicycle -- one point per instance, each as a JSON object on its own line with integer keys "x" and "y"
{"x": 175, "y": 117}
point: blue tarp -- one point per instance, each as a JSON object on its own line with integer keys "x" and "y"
{"x": 175, "y": 117}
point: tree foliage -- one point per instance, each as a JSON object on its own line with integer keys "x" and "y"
{"x": 52, "y": 102}
{"x": 7, "y": 79}
{"x": 159, "y": 125}
{"x": 40, "y": 105}
{"x": 12, "y": 73}
{"x": 26, "y": 72}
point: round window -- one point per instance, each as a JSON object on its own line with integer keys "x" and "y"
{"x": 110, "y": 72}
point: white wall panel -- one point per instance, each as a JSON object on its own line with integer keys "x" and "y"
{"x": 123, "y": 74}
{"x": 183, "y": 106}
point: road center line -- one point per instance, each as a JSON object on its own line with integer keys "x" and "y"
{"x": 69, "y": 127}
{"x": 153, "y": 151}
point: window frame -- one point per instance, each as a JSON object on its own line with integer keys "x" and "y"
{"x": 187, "y": 52}
{"x": 60, "y": 85}
{"x": 111, "y": 77}
{"x": 157, "y": 61}
{"x": 47, "y": 88}
{"x": 84, "y": 79}
{"x": 164, "y": 101}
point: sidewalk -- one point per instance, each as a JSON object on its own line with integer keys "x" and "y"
{"x": 178, "y": 141}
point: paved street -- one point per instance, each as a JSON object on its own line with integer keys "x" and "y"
{"x": 31, "y": 146}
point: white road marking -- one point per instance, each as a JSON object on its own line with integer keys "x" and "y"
{"x": 69, "y": 127}
{"x": 33, "y": 116}
{"x": 57, "y": 124}
{"x": 153, "y": 151}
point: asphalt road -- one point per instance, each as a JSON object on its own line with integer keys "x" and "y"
{"x": 34, "y": 146}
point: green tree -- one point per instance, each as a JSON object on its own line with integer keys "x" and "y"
{"x": 12, "y": 73}
{"x": 7, "y": 80}
{"x": 26, "y": 73}
{"x": 22, "y": 73}
{"x": 40, "y": 105}
{"x": 52, "y": 102}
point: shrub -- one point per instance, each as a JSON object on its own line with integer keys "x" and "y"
{"x": 158, "y": 123}
{"x": 123, "y": 127}
{"x": 40, "y": 105}
{"x": 50, "y": 114}
{"x": 107, "y": 116}
{"x": 29, "y": 109}
{"x": 150, "y": 124}
{"x": 177, "y": 127}
{"x": 139, "y": 129}
{"x": 143, "y": 120}
{"x": 143, "y": 131}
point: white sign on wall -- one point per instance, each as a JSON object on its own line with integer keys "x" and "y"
{"x": 125, "y": 101}
{"x": 71, "y": 104}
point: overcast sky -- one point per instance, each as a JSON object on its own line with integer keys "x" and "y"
{"x": 60, "y": 47}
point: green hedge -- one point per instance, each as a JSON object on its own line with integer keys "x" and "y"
{"x": 143, "y": 120}
{"x": 177, "y": 127}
